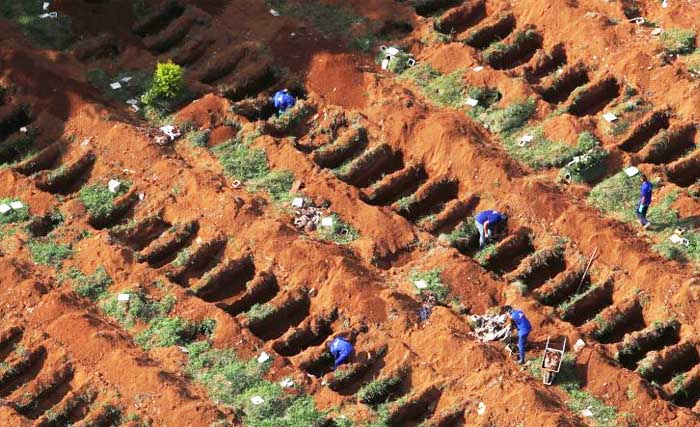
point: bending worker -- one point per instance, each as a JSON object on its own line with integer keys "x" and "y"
{"x": 283, "y": 100}
{"x": 518, "y": 319}
{"x": 340, "y": 349}
{"x": 489, "y": 222}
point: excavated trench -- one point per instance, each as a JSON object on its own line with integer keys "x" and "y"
{"x": 164, "y": 249}
{"x": 122, "y": 206}
{"x": 562, "y": 87}
{"x": 311, "y": 333}
{"x": 588, "y": 304}
{"x": 396, "y": 185}
{"x": 510, "y": 252}
{"x": 643, "y": 132}
{"x": 481, "y": 37}
{"x": 318, "y": 364}
{"x": 40, "y": 226}
{"x": 460, "y": 18}
{"x": 521, "y": 51}
{"x": 67, "y": 179}
{"x": 689, "y": 394}
{"x": 9, "y": 338}
{"x": 222, "y": 65}
{"x": 429, "y": 199}
{"x": 351, "y": 380}
{"x": 190, "y": 52}
{"x": 637, "y": 344}
{"x": 544, "y": 63}
{"x": 287, "y": 315}
{"x": 616, "y": 322}
{"x": 70, "y": 411}
{"x": 159, "y": 19}
{"x": 14, "y": 148}
{"x": 173, "y": 34}
{"x": 671, "y": 361}
{"x": 102, "y": 46}
{"x": 260, "y": 290}
{"x": 686, "y": 171}
{"x": 42, "y": 160}
{"x": 415, "y": 410}
{"x": 593, "y": 99}
{"x": 454, "y": 212}
{"x": 142, "y": 234}
{"x": 669, "y": 146}
{"x": 562, "y": 287}
{"x": 260, "y": 108}
{"x": 47, "y": 395}
{"x": 347, "y": 146}
{"x": 199, "y": 261}
{"x": 371, "y": 166}
{"x": 428, "y": 7}
{"x": 227, "y": 280}
{"x": 539, "y": 267}
{"x": 256, "y": 80}
{"x": 24, "y": 370}
{"x": 12, "y": 118}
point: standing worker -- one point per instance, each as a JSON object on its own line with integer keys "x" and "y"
{"x": 487, "y": 222}
{"x": 518, "y": 319}
{"x": 644, "y": 201}
{"x": 283, "y": 100}
{"x": 340, "y": 349}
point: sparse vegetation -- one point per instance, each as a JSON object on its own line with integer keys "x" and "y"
{"x": 49, "y": 252}
{"x": 340, "y": 232}
{"x": 132, "y": 89}
{"x": 434, "y": 283}
{"x": 140, "y": 307}
{"x": 200, "y": 138}
{"x": 169, "y": 331}
{"x": 589, "y": 163}
{"x": 99, "y": 200}
{"x": 260, "y": 311}
{"x": 378, "y": 391}
{"x": 692, "y": 61}
{"x": 508, "y": 119}
{"x": 93, "y": 286}
{"x": 678, "y": 41}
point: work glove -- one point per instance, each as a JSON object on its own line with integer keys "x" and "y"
{"x": 641, "y": 208}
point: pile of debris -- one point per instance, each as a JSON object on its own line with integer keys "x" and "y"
{"x": 163, "y": 135}
{"x": 307, "y": 216}
{"x": 490, "y": 327}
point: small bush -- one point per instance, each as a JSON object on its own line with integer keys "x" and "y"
{"x": 678, "y": 41}
{"x": 340, "y": 232}
{"x": 93, "y": 286}
{"x": 434, "y": 282}
{"x": 465, "y": 230}
{"x": 99, "y": 201}
{"x": 378, "y": 391}
{"x": 50, "y": 253}
{"x": 14, "y": 216}
{"x": 260, "y": 311}
{"x": 169, "y": 331}
{"x": 167, "y": 83}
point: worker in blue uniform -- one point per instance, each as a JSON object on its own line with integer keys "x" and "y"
{"x": 283, "y": 100}
{"x": 520, "y": 322}
{"x": 340, "y": 349}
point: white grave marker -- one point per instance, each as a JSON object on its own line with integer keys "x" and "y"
{"x": 123, "y": 297}
{"x": 298, "y": 202}
{"x": 17, "y": 205}
{"x": 610, "y": 117}
{"x": 5, "y": 209}
{"x": 327, "y": 221}
{"x": 472, "y": 102}
{"x": 264, "y": 357}
{"x": 115, "y": 85}
{"x": 113, "y": 185}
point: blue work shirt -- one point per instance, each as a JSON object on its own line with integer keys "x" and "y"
{"x": 521, "y": 322}
{"x": 491, "y": 216}
{"x": 645, "y": 194}
{"x": 341, "y": 350}
{"x": 283, "y": 100}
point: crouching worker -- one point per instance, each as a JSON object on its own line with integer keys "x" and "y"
{"x": 520, "y": 322}
{"x": 489, "y": 223}
{"x": 340, "y": 349}
{"x": 283, "y": 100}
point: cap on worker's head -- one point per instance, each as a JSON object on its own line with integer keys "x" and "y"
{"x": 506, "y": 309}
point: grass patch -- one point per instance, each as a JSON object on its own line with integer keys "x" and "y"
{"x": 465, "y": 230}
{"x": 93, "y": 286}
{"x": 378, "y": 391}
{"x": 48, "y": 252}
{"x": 169, "y": 331}
{"x": 484, "y": 254}
{"x": 140, "y": 307}
{"x": 589, "y": 163}
{"x": 232, "y": 382}
{"x": 508, "y": 119}
{"x": 49, "y": 33}
{"x": 242, "y": 162}
{"x": 14, "y": 216}
{"x": 333, "y": 21}
{"x": 260, "y": 312}
{"x": 692, "y": 61}
{"x": 678, "y": 41}
{"x": 99, "y": 201}
{"x": 340, "y": 232}
{"x": 434, "y": 282}
{"x": 542, "y": 153}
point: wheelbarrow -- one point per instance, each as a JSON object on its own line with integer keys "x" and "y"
{"x": 551, "y": 362}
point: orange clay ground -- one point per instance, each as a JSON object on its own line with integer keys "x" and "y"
{"x": 217, "y": 273}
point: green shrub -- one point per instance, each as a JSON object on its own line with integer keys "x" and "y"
{"x": 340, "y": 232}
{"x": 48, "y": 252}
{"x": 167, "y": 83}
{"x": 260, "y": 311}
{"x": 14, "y": 216}
{"x": 465, "y": 230}
{"x": 99, "y": 201}
{"x": 93, "y": 286}
{"x": 378, "y": 391}
{"x": 509, "y": 119}
{"x": 169, "y": 331}
{"x": 434, "y": 282}
{"x": 678, "y": 41}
